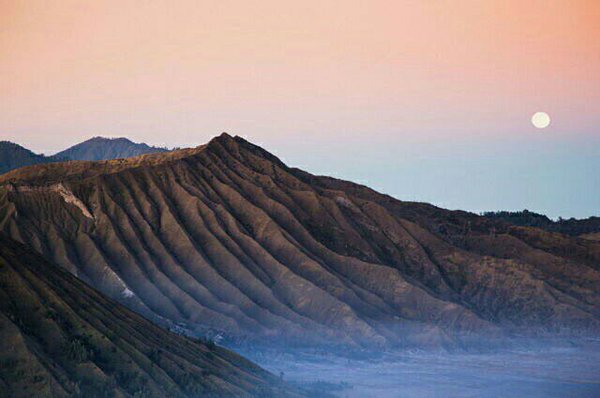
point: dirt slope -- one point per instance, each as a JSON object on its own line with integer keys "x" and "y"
{"x": 227, "y": 237}
{"x": 60, "y": 338}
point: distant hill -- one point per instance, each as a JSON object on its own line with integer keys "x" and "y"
{"x": 14, "y": 156}
{"x": 100, "y": 148}
{"x": 526, "y": 218}
{"x": 61, "y": 338}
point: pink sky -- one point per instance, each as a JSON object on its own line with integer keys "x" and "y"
{"x": 301, "y": 77}
{"x": 178, "y": 74}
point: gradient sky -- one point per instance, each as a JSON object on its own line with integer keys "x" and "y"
{"x": 425, "y": 100}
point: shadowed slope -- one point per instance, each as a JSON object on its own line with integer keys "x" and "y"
{"x": 226, "y": 236}
{"x": 13, "y": 156}
{"x": 59, "y": 338}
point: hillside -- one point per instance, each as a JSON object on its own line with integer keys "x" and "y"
{"x": 13, "y": 156}
{"x": 100, "y": 148}
{"x": 60, "y": 338}
{"x": 227, "y": 238}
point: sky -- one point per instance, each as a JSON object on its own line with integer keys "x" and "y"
{"x": 424, "y": 100}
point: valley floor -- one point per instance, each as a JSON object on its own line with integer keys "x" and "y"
{"x": 544, "y": 371}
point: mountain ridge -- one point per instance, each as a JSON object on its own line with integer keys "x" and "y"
{"x": 226, "y": 236}
{"x": 14, "y": 156}
{"x": 103, "y": 148}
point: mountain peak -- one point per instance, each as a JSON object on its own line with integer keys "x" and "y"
{"x": 103, "y": 148}
{"x": 99, "y": 138}
{"x": 46, "y": 174}
{"x": 14, "y": 156}
{"x": 233, "y": 239}
{"x": 10, "y": 144}
{"x": 223, "y": 138}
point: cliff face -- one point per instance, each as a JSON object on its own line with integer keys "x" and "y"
{"x": 61, "y": 338}
{"x": 225, "y": 236}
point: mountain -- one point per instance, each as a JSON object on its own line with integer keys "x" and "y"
{"x": 225, "y": 238}
{"x": 61, "y": 338}
{"x": 100, "y": 148}
{"x": 588, "y": 227}
{"x": 13, "y": 156}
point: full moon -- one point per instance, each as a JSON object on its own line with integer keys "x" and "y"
{"x": 540, "y": 120}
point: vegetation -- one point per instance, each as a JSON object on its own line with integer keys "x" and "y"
{"x": 63, "y": 339}
{"x": 526, "y": 218}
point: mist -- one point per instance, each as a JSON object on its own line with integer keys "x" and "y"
{"x": 542, "y": 368}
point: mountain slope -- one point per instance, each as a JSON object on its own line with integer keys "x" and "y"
{"x": 60, "y": 338}
{"x": 13, "y": 156}
{"x": 227, "y": 237}
{"x": 100, "y": 148}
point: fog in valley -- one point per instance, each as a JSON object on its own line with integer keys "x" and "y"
{"x": 545, "y": 369}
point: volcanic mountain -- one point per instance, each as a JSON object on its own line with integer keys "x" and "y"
{"x": 61, "y": 338}
{"x": 101, "y": 148}
{"x": 225, "y": 237}
{"x": 14, "y": 156}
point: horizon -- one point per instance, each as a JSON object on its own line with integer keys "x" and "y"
{"x": 407, "y": 98}
{"x": 333, "y": 173}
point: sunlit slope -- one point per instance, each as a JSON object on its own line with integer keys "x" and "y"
{"x": 60, "y": 338}
{"x": 226, "y": 236}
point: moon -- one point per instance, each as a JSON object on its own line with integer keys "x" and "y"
{"x": 540, "y": 120}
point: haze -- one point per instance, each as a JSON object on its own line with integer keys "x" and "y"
{"x": 427, "y": 101}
